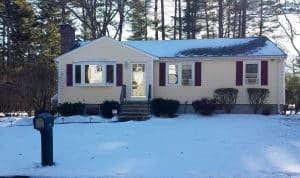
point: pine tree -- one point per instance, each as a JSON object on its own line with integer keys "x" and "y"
{"x": 138, "y": 20}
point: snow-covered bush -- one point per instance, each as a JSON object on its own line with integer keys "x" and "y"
{"x": 106, "y": 108}
{"x": 69, "y": 109}
{"x": 226, "y": 97}
{"x": 257, "y": 97}
{"x": 204, "y": 106}
{"x": 164, "y": 107}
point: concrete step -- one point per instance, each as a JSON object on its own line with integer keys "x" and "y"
{"x": 133, "y": 117}
{"x": 134, "y": 112}
{"x": 134, "y": 109}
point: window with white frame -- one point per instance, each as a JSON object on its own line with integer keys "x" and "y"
{"x": 180, "y": 74}
{"x": 94, "y": 73}
{"x": 186, "y": 74}
{"x": 252, "y": 73}
{"x": 173, "y": 74}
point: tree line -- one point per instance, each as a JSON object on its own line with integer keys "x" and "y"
{"x": 30, "y": 39}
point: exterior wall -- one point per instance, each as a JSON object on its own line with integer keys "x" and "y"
{"x": 222, "y": 74}
{"x": 104, "y": 49}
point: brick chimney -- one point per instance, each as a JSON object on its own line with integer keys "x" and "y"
{"x": 67, "y": 35}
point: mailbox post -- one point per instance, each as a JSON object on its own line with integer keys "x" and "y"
{"x": 44, "y": 123}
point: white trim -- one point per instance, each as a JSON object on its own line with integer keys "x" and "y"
{"x": 146, "y": 82}
{"x": 104, "y": 38}
{"x": 278, "y": 86}
{"x": 103, "y": 64}
{"x": 216, "y": 58}
{"x": 258, "y": 73}
{"x": 59, "y": 81}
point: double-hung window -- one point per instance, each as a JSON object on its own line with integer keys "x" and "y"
{"x": 251, "y": 75}
{"x": 173, "y": 74}
{"x": 187, "y": 74}
{"x": 94, "y": 74}
{"x": 180, "y": 74}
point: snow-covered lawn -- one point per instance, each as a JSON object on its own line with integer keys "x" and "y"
{"x": 188, "y": 146}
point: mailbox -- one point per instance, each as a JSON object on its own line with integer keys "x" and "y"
{"x": 44, "y": 123}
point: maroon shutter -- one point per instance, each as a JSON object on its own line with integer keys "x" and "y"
{"x": 69, "y": 75}
{"x": 197, "y": 73}
{"x": 162, "y": 74}
{"x": 264, "y": 73}
{"x": 239, "y": 73}
{"x": 119, "y": 74}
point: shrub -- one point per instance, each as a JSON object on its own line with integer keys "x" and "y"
{"x": 266, "y": 110}
{"x": 205, "y": 106}
{"x": 257, "y": 97}
{"x": 226, "y": 97}
{"x": 164, "y": 107}
{"x": 106, "y": 108}
{"x": 69, "y": 109}
{"x": 92, "y": 110}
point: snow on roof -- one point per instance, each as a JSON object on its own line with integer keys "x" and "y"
{"x": 260, "y": 46}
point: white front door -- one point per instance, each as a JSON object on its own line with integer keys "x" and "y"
{"x": 138, "y": 81}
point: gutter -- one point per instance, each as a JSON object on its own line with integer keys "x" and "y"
{"x": 221, "y": 57}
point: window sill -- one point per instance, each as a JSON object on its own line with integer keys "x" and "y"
{"x": 94, "y": 85}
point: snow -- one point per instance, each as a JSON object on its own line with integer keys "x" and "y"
{"x": 170, "y": 48}
{"x": 188, "y": 146}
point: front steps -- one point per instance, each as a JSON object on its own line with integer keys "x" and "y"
{"x": 134, "y": 110}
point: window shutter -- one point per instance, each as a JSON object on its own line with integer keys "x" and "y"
{"x": 239, "y": 73}
{"x": 197, "y": 73}
{"x": 69, "y": 75}
{"x": 119, "y": 74}
{"x": 162, "y": 74}
{"x": 264, "y": 73}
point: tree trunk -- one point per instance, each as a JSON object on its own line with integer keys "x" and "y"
{"x": 175, "y": 20}
{"x": 180, "y": 19}
{"x": 188, "y": 19}
{"x": 244, "y": 18}
{"x": 261, "y": 18}
{"x": 235, "y": 18}
{"x": 220, "y": 18}
{"x": 156, "y": 19}
{"x": 206, "y": 19}
{"x": 163, "y": 35}
{"x": 121, "y": 4}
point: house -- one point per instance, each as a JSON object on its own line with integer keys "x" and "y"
{"x": 184, "y": 70}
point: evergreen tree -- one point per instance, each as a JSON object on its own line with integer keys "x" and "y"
{"x": 138, "y": 20}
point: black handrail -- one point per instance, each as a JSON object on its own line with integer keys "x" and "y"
{"x": 149, "y": 97}
{"x": 122, "y": 97}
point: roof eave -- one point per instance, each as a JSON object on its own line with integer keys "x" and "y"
{"x": 282, "y": 57}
